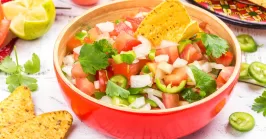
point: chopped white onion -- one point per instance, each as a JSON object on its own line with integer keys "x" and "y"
{"x": 206, "y": 67}
{"x": 69, "y": 60}
{"x": 67, "y": 70}
{"x": 153, "y": 92}
{"x": 141, "y": 14}
{"x": 106, "y": 99}
{"x": 106, "y": 26}
{"x": 143, "y": 49}
{"x": 161, "y": 58}
{"x": 217, "y": 66}
{"x": 138, "y": 81}
{"x": 179, "y": 63}
{"x": 146, "y": 107}
{"x": 190, "y": 74}
{"x": 197, "y": 64}
{"x": 156, "y": 100}
{"x": 159, "y": 74}
{"x": 166, "y": 43}
{"x": 97, "y": 84}
{"x": 77, "y": 50}
{"x": 139, "y": 102}
{"x": 167, "y": 68}
{"x": 128, "y": 24}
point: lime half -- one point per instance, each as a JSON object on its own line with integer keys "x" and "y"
{"x": 30, "y": 18}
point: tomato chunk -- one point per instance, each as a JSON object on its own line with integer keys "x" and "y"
{"x": 224, "y": 76}
{"x": 191, "y": 54}
{"x": 170, "y": 100}
{"x": 226, "y": 59}
{"x": 135, "y": 22}
{"x": 201, "y": 46}
{"x": 172, "y": 52}
{"x": 103, "y": 76}
{"x": 77, "y": 71}
{"x": 73, "y": 42}
{"x": 125, "y": 42}
{"x": 177, "y": 76}
{"x": 84, "y": 85}
{"x": 121, "y": 27}
{"x": 94, "y": 33}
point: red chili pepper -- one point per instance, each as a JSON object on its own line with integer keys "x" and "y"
{"x": 6, "y": 50}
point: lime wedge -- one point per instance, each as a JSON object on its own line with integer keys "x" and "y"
{"x": 31, "y": 19}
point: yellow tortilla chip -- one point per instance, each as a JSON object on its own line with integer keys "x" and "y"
{"x": 168, "y": 21}
{"x": 259, "y": 2}
{"x": 18, "y": 107}
{"x": 53, "y": 125}
{"x": 190, "y": 30}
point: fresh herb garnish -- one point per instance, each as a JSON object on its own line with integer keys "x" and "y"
{"x": 104, "y": 46}
{"x": 189, "y": 95}
{"x": 203, "y": 80}
{"x": 92, "y": 59}
{"x": 260, "y": 104}
{"x": 113, "y": 89}
{"x": 33, "y": 66}
{"x": 215, "y": 46}
{"x": 16, "y": 77}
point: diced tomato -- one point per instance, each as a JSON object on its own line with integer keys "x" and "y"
{"x": 104, "y": 75}
{"x": 128, "y": 70}
{"x": 84, "y": 85}
{"x": 172, "y": 52}
{"x": 73, "y": 43}
{"x": 177, "y": 76}
{"x": 76, "y": 56}
{"x": 201, "y": 46}
{"x": 224, "y": 76}
{"x": 94, "y": 33}
{"x": 144, "y": 9}
{"x": 125, "y": 42}
{"x": 135, "y": 22}
{"x": 121, "y": 27}
{"x": 170, "y": 100}
{"x": 7, "y": 49}
{"x": 191, "y": 54}
{"x": 220, "y": 82}
{"x": 4, "y": 28}
{"x": 226, "y": 59}
{"x": 77, "y": 71}
{"x": 203, "y": 26}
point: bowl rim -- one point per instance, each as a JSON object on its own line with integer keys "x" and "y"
{"x": 180, "y": 108}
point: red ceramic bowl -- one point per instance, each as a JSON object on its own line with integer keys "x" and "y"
{"x": 124, "y": 123}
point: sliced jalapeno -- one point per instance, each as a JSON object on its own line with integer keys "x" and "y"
{"x": 151, "y": 102}
{"x": 247, "y": 43}
{"x": 152, "y": 54}
{"x": 244, "y": 71}
{"x": 169, "y": 89}
{"x": 99, "y": 95}
{"x": 242, "y": 121}
{"x": 145, "y": 69}
{"x": 118, "y": 101}
{"x": 132, "y": 98}
{"x": 134, "y": 91}
{"x": 257, "y": 71}
{"x": 120, "y": 80}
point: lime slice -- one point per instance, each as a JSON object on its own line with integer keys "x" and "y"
{"x": 31, "y": 19}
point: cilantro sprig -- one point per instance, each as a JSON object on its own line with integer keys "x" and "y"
{"x": 203, "y": 80}
{"x": 113, "y": 89}
{"x": 215, "y": 46}
{"x": 95, "y": 56}
{"x": 16, "y": 77}
{"x": 260, "y": 104}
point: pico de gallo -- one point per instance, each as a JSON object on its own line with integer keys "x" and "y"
{"x": 109, "y": 63}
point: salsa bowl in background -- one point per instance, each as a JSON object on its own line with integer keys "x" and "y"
{"x": 125, "y": 123}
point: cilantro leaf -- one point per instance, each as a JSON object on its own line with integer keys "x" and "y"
{"x": 113, "y": 89}
{"x": 189, "y": 95}
{"x": 92, "y": 59}
{"x": 15, "y": 80}
{"x": 8, "y": 66}
{"x": 104, "y": 46}
{"x": 260, "y": 104}
{"x": 215, "y": 46}
{"x": 203, "y": 80}
{"x": 32, "y": 66}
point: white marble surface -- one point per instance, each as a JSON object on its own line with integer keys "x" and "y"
{"x": 49, "y": 98}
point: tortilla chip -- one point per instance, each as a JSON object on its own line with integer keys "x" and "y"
{"x": 18, "y": 107}
{"x": 190, "y": 30}
{"x": 259, "y": 2}
{"x": 168, "y": 21}
{"x": 53, "y": 125}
